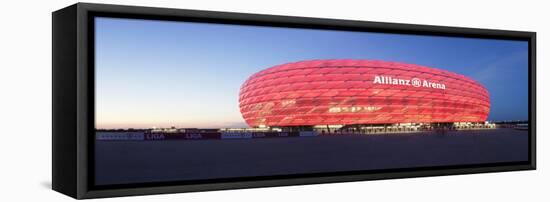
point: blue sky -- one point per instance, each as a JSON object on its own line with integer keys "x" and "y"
{"x": 161, "y": 73}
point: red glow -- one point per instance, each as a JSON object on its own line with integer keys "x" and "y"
{"x": 342, "y": 92}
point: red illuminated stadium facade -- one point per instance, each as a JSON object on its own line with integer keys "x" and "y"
{"x": 359, "y": 92}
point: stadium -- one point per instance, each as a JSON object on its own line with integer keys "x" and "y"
{"x": 362, "y": 95}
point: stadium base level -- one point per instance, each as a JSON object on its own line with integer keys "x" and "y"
{"x": 148, "y": 136}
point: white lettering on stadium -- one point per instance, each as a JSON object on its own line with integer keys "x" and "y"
{"x": 388, "y": 80}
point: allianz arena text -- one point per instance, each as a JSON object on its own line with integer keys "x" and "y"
{"x": 351, "y": 92}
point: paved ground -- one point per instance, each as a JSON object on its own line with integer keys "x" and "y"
{"x": 119, "y": 162}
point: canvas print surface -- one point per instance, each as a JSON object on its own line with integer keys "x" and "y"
{"x": 184, "y": 101}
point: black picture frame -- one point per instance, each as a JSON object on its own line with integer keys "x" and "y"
{"x": 73, "y": 99}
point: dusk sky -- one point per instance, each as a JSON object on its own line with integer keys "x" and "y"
{"x": 161, "y": 73}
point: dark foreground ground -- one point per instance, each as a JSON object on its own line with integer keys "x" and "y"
{"x": 120, "y": 162}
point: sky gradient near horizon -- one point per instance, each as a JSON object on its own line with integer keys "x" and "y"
{"x": 152, "y": 73}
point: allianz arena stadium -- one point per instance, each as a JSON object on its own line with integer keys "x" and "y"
{"x": 359, "y": 92}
